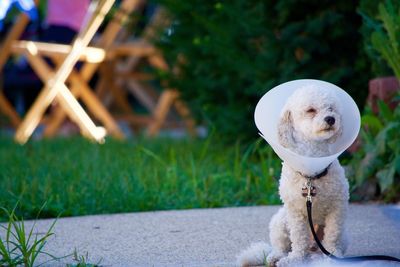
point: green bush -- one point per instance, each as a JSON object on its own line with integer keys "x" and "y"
{"x": 377, "y": 163}
{"x": 370, "y": 11}
{"x": 386, "y": 38}
{"x": 233, "y": 52}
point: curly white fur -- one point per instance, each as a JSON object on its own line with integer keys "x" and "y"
{"x": 306, "y": 127}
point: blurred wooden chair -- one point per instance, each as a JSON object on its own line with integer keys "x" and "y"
{"x": 5, "y": 52}
{"x": 55, "y": 87}
{"x": 92, "y": 56}
{"x": 122, "y": 71}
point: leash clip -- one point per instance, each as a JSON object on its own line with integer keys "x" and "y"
{"x": 308, "y": 191}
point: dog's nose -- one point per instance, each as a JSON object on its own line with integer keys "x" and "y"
{"x": 330, "y": 120}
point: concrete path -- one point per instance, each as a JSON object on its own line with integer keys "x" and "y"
{"x": 204, "y": 237}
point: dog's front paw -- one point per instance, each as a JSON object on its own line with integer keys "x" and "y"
{"x": 291, "y": 260}
{"x": 316, "y": 256}
{"x": 335, "y": 250}
{"x": 274, "y": 256}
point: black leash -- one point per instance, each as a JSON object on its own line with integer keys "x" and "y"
{"x": 321, "y": 247}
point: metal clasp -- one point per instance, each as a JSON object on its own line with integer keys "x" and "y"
{"x": 308, "y": 191}
{"x": 309, "y": 187}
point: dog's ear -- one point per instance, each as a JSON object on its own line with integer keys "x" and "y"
{"x": 285, "y": 129}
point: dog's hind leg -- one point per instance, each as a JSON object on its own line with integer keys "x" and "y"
{"x": 279, "y": 237}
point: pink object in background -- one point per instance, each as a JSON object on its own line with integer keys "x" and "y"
{"x": 69, "y": 13}
{"x": 383, "y": 88}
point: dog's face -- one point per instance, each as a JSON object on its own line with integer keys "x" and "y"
{"x": 310, "y": 114}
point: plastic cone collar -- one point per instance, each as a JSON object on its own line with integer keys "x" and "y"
{"x": 267, "y": 115}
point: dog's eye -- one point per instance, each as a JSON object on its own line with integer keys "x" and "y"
{"x": 311, "y": 110}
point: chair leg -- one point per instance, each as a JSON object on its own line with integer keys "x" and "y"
{"x": 120, "y": 97}
{"x": 184, "y": 112}
{"x": 140, "y": 93}
{"x": 161, "y": 111}
{"x": 5, "y": 50}
{"x": 68, "y": 101}
{"x": 159, "y": 62}
{"x": 8, "y": 109}
{"x": 56, "y": 119}
{"x": 54, "y": 123}
{"x": 108, "y": 84}
{"x": 95, "y": 106}
{"x": 81, "y": 89}
{"x": 15, "y": 33}
{"x": 46, "y": 96}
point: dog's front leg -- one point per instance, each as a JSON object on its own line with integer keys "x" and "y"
{"x": 334, "y": 236}
{"x": 297, "y": 223}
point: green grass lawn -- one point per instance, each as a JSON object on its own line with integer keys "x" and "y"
{"x": 77, "y": 177}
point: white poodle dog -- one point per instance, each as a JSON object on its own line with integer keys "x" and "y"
{"x": 309, "y": 124}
